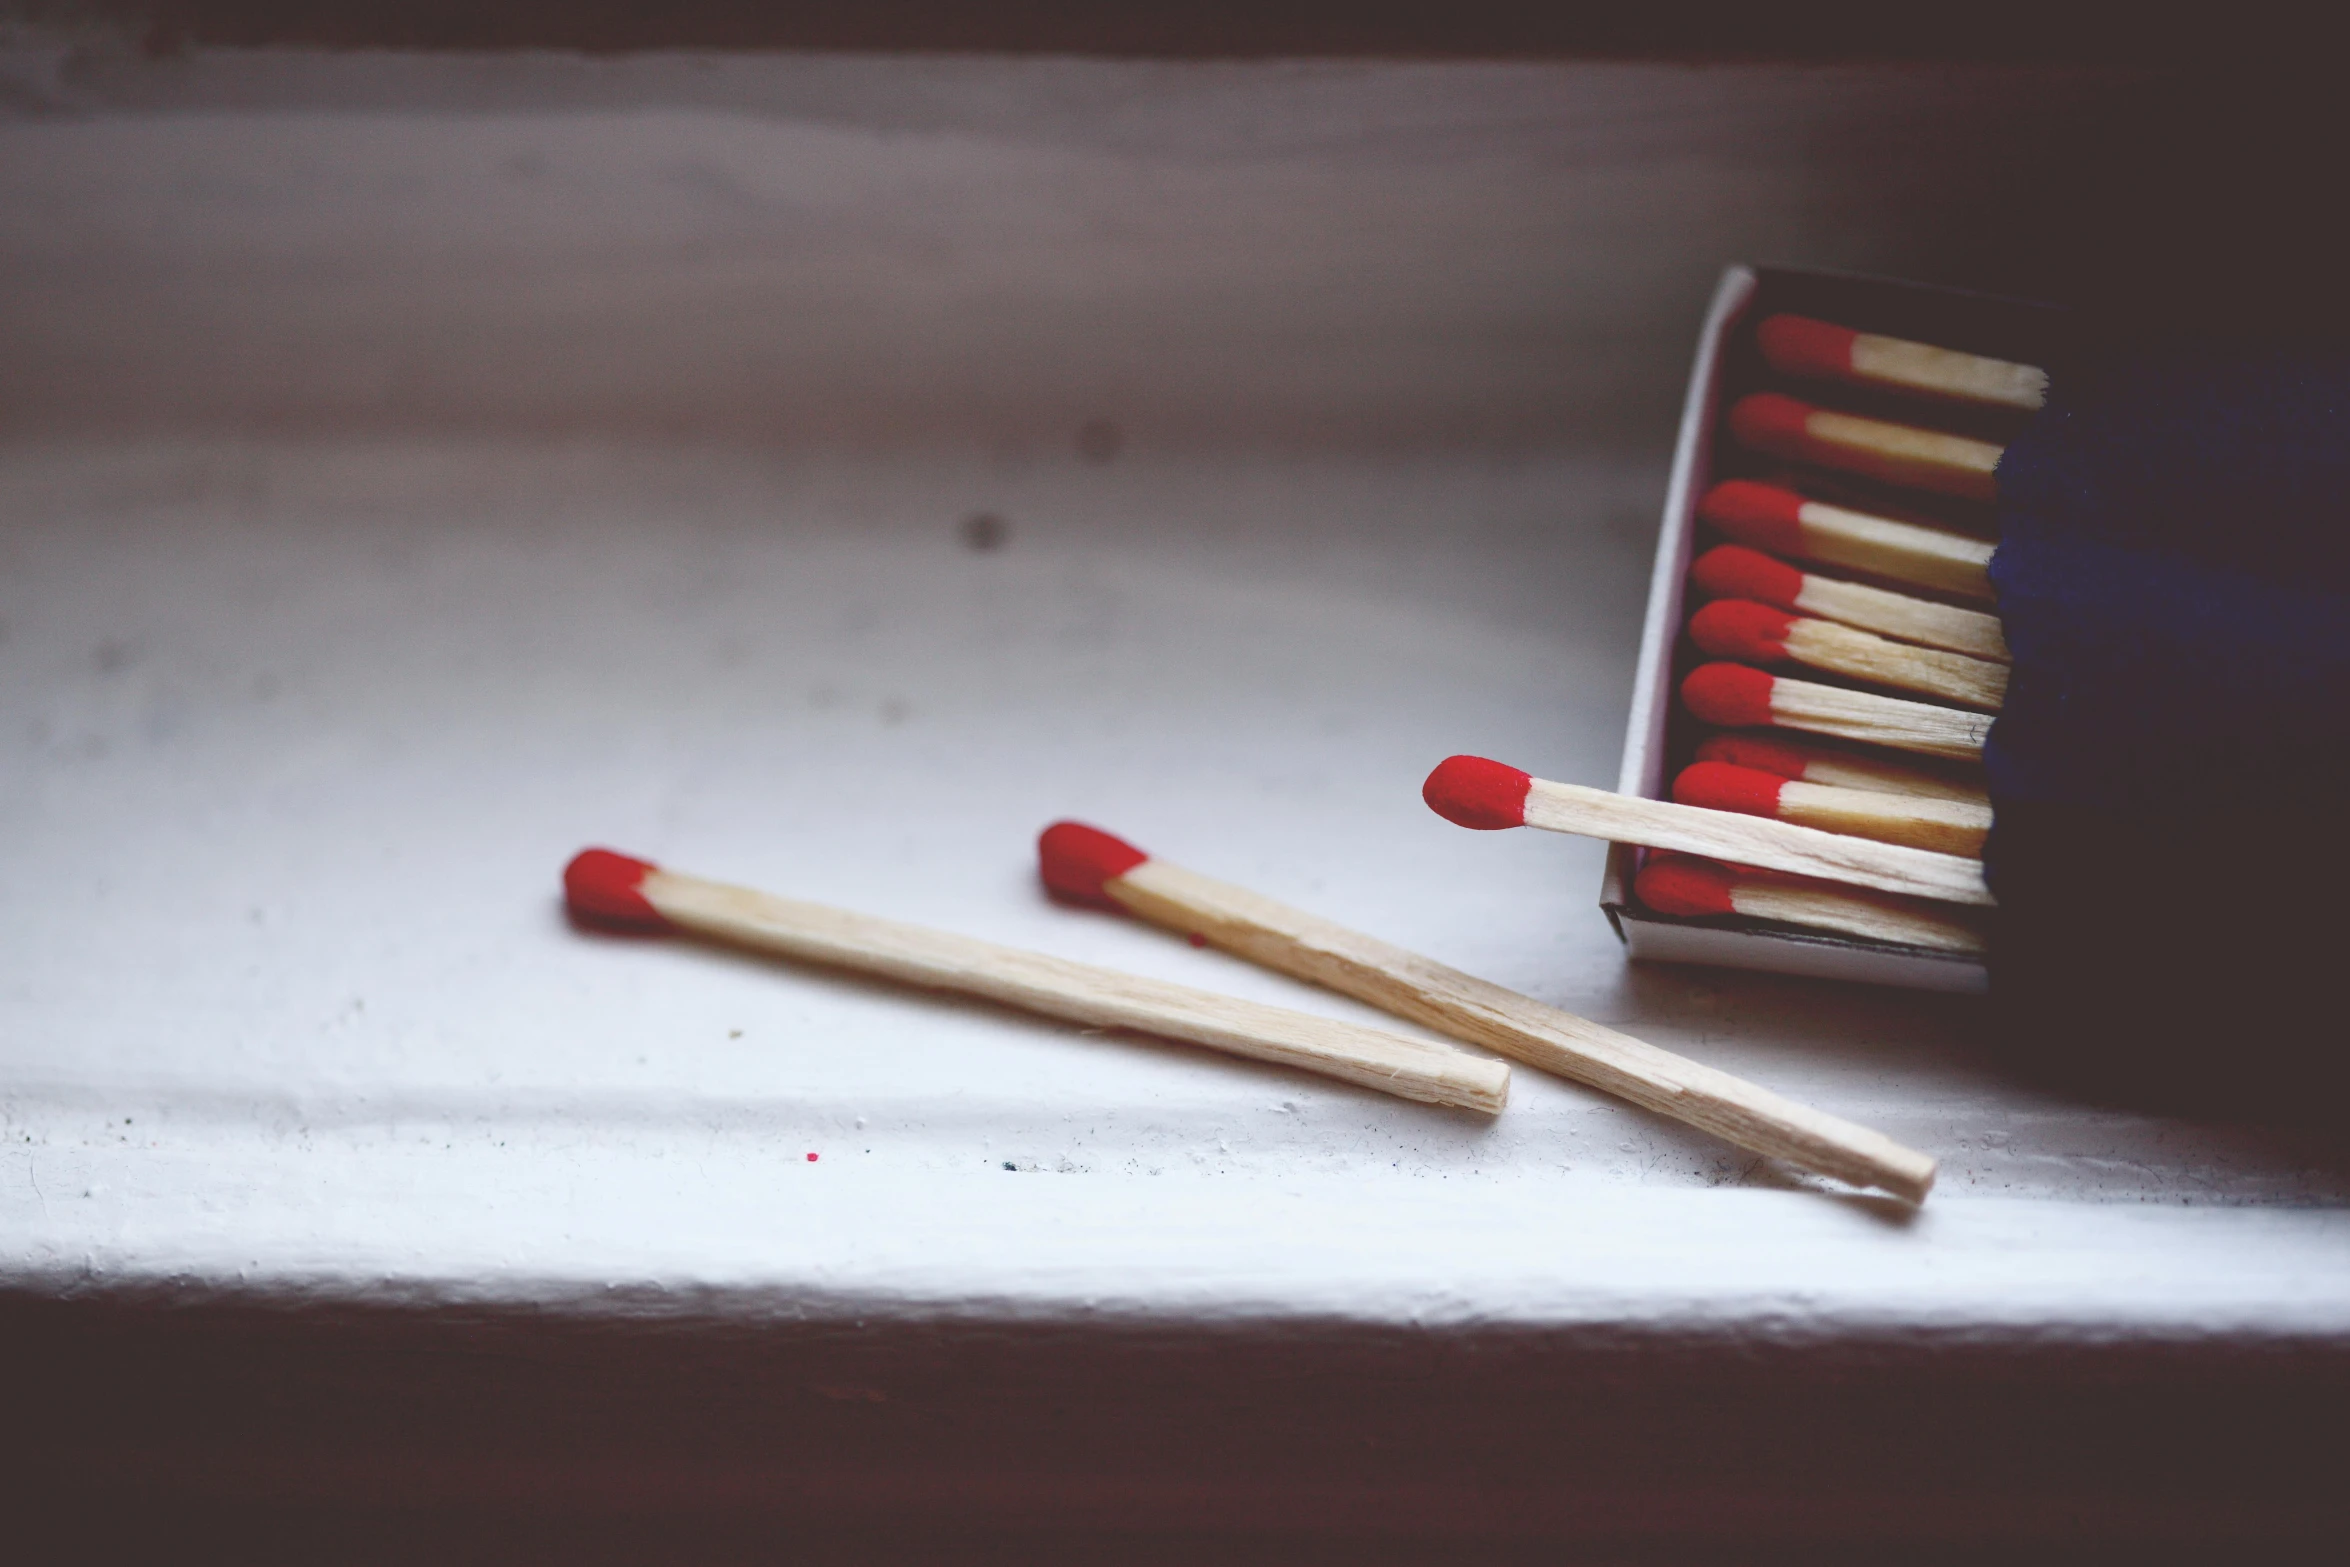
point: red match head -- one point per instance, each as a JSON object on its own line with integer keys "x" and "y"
{"x": 1800, "y": 346}
{"x": 1731, "y": 695}
{"x": 1720, "y": 787}
{"x": 1732, "y": 571}
{"x": 1470, "y": 791}
{"x": 1758, "y": 752}
{"x": 1682, "y": 884}
{"x": 1076, "y": 860}
{"x": 1741, "y": 628}
{"x": 1762, "y": 515}
{"x": 1771, "y": 423}
{"x": 603, "y": 888}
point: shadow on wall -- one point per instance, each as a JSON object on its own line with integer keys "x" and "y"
{"x": 2010, "y": 30}
{"x": 887, "y": 251}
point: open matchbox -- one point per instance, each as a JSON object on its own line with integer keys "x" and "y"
{"x": 1661, "y": 737}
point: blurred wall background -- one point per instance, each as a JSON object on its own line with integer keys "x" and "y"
{"x": 519, "y": 221}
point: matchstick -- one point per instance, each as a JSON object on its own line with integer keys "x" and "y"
{"x": 1821, "y": 350}
{"x": 1838, "y": 768}
{"x": 1089, "y": 866}
{"x": 1733, "y": 571}
{"x": 1757, "y": 633}
{"x": 1736, "y": 697}
{"x": 1699, "y": 888}
{"x": 1878, "y": 449}
{"x": 614, "y": 889}
{"x": 1471, "y": 791}
{"x": 1785, "y": 523}
{"x": 1945, "y": 826}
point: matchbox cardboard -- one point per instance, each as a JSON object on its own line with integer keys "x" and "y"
{"x": 1661, "y": 736}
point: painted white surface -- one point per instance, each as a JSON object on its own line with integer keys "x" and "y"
{"x": 302, "y": 736}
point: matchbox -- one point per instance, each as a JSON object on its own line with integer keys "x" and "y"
{"x": 1662, "y": 735}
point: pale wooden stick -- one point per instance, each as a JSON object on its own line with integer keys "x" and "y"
{"x": 1875, "y": 916}
{"x": 1945, "y": 826}
{"x": 1763, "y": 634}
{"x": 1737, "y": 696}
{"x": 1841, "y": 769}
{"x": 1801, "y": 346}
{"x": 1681, "y": 885}
{"x": 1785, "y": 523}
{"x": 1880, "y": 720}
{"x": 1101, "y": 997}
{"x": 1733, "y": 571}
{"x": 1427, "y": 992}
{"x": 1899, "y": 615}
{"x": 1901, "y": 454}
{"x": 1841, "y": 650}
{"x": 1754, "y": 840}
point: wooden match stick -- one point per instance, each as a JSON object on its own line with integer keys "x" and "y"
{"x": 1695, "y": 888}
{"x": 1733, "y": 571}
{"x": 1471, "y": 791}
{"x": 1757, "y": 633}
{"x": 1821, "y": 350}
{"x": 1878, "y": 449}
{"x": 613, "y": 889}
{"x": 1945, "y": 826}
{"x": 1785, "y": 523}
{"x": 1840, "y": 769}
{"x": 1736, "y": 697}
{"x": 1090, "y": 866}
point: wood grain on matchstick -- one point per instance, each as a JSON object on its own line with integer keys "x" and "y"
{"x": 1079, "y": 992}
{"x": 1843, "y": 769}
{"x": 1903, "y": 454}
{"x": 1945, "y": 826}
{"x": 1732, "y": 571}
{"x": 1737, "y": 697}
{"x": 1754, "y": 840}
{"x": 1411, "y": 986}
{"x": 1473, "y": 791}
{"x": 1785, "y": 523}
{"x": 1763, "y": 634}
{"x": 1801, "y": 346}
{"x": 1679, "y": 884}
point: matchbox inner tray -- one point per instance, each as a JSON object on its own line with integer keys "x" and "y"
{"x": 1661, "y": 737}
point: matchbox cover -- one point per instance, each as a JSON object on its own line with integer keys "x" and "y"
{"x": 1662, "y": 735}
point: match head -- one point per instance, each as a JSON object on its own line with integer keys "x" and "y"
{"x": 1076, "y": 861}
{"x": 1685, "y": 885}
{"x": 1718, "y": 786}
{"x": 604, "y": 888}
{"x": 1732, "y": 571}
{"x": 1771, "y": 423}
{"x": 1731, "y": 695}
{"x": 1757, "y": 752}
{"x": 1470, "y": 791}
{"x": 1801, "y": 346}
{"x": 1763, "y": 515}
{"x": 1741, "y": 628}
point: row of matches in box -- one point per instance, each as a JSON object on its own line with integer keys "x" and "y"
{"x": 1893, "y": 610}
